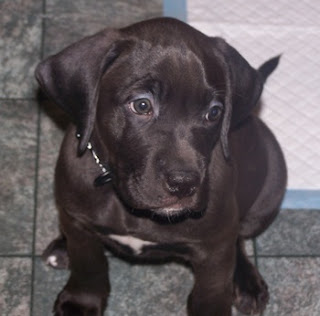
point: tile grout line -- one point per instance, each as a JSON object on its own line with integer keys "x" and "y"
{"x": 18, "y": 99}
{"x": 297, "y": 256}
{"x": 36, "y": 176}
{"x": 256, "y": 260}
{"x": 279, "y": 256}
{"x": 16, "y": 255}
{"x": 256, "y": 263}
{"x": 36, "y": 179}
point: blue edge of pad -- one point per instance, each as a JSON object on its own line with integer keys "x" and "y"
{"x": 175, "y": 9}
{"x": 301, "y": 199}
{"x": 295, "y": 199}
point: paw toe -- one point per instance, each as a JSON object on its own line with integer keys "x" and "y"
{"x": 57, "y": 260}
{"x": 52, "y": 261}
{"x": 56, "y": 255}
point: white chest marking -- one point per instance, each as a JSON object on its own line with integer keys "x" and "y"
{"x": 134, "y": 243}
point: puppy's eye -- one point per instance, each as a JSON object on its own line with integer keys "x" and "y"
{"x": 214, "y": 112}
{"x": 141, "y": 106}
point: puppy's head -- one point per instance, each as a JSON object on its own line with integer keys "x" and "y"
{"x": 156, "y": 99}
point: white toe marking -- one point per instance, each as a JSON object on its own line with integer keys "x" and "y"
{"x": 134, "y": 243}
{"x": 52, "y": 260}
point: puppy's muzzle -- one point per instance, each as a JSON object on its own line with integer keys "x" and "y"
{"x": 182, "y": 183}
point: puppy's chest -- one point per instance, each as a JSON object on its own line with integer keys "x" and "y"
{"x": 136, "y": 245}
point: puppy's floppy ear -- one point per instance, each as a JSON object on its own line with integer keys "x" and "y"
{"x": 246, "y": 82}
{"x": 71, "y": 78}
{"x": 243, "y": 85}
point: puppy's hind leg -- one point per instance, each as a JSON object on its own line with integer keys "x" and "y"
{"x": 267, "y": 204}
{"x": 250, "y": 292}
{"x": 55, "y": 255}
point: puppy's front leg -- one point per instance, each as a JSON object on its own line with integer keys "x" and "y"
{"x": 212, "y": 291}
{"x": 87, "y": 288}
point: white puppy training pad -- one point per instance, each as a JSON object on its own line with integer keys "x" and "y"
{"x": 260, "y": 30}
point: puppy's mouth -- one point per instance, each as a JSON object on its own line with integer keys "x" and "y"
{"x": 180, "y": 209}
{"x": 175, "y": 214}
{"x": 173, "y": 204}
{"x": 171, "y": 213}
{"x": 171, "y": 208}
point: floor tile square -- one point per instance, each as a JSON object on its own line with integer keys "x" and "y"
{"x": 65, "y": 30}
{"x": 294, "y": 286}
{"x": 15, "y": 286}
{"x": 20, "y": 43}
{"x": 51, "y": 136}
{"x": 135, "y": 289}
{"x": 148, "y": 289}
{"x": 113, "y": 12}
{"x": 48, "y": 282}
{"x": 294, "y": 232}
{"x": 18, "y": 143}
{"x": 71, "y": 21}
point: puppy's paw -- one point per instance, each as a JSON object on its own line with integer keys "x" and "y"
{"x": 56, "y": 255}
{"x": 250, "y": 294}
{"x": 69, "y": 304}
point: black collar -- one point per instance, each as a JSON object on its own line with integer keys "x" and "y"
{"x": 106, "y": 175}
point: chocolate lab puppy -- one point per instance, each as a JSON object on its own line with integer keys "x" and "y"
{"x": 164, "y": 159}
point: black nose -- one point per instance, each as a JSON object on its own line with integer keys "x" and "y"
{"x": 182, "y": 183}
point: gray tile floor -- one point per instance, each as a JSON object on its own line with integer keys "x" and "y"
{"x": 288, "y": 255}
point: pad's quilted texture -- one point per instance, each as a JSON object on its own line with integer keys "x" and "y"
{"x": 291, "y": 100}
